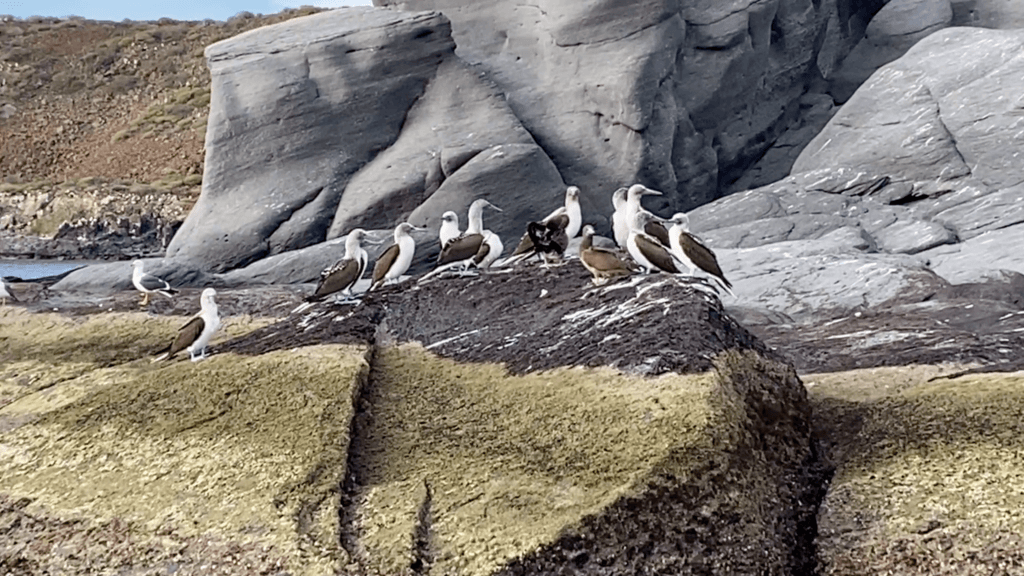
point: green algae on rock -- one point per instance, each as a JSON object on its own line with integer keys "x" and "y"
{"x": 928, "y": 473}
{"x": 245, "y": 451}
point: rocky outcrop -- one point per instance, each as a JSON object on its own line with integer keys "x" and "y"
{"x": 543, "y": 424}
{"x": 348, "y": 118}
{"x": 90, "y": 218}
{"x": 681, "y": 97}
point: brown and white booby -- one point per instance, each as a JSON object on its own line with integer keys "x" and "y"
{"x": 395, "y": 260}
{"x": 344, "y": 274}
{"x": 646, "y": 250}
{"x": 603, "y": 264}
{"x": 147, "y": 283}
{"x": 449, "y": 228}
{"x": 195, "y": 335}
{"x": 490, "y": 250}
{"x": 6, "y": 292}
{"x": 570, "y": 208}
{"x": 624, "y": 216}
{"x": 693, "y": 253}
{"x": 462, "y": 250}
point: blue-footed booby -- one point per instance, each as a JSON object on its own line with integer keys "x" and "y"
{"x": 460, "y": 251}
{"x": 625, "y": 214}
{"x": 692, "y": 253}
{"x": 603, "y": 264}
{"x": 6, "y": 292}
{"x": 195, "y": 335}
{"x": 646, "y": 250}
{"x": 344, "y": 274}
{"x": 147, "y": 283}
{"x": 395, "y": 260}
{"x": 570, "y": 208}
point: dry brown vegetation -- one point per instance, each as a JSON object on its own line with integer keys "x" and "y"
{"x": 128, "y": 100}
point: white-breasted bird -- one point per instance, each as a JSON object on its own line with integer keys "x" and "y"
{"x": 396, "y": 259}
{"x": 625, "y": 215}
{"x": 6, "y": 292}
{"x": 449, "y": 228}
{"x": 147, "y": 283}
{"x": 462, "y": 250}
{"x": 693, "y": 253}
{"x": 195, "y": 335}
{"x": 646, "y": 250}
{"x": 344, "y": 274}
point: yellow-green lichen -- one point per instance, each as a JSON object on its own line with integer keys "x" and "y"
{"x": 511, "y": 460}
{"x": 930, "y": 474}
{"x": 244, "y": 449}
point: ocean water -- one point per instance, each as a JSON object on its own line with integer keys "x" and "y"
{"x": 32, "y": 269}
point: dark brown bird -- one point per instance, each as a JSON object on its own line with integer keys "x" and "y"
{"x": 603, "y": 264}
{"x": 549, "y": 238}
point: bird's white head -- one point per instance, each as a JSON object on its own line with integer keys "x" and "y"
{"x": 572, "y": 194}
{"x": 636, "y": 191}
{"x": 404, "y": 229}
{"x": 588, "y": 230}
{"x": 206, "y": 298}
{"x": 450, "y": 217}
{"x": 681, "y": 220}
{"x": 136, "y": 264}
{"x": 640, "y": 220}
{"x": 619, "y": 197}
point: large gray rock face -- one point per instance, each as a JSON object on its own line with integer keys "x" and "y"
{"x": 351, "y": 118}
{"x": 679, "y": 95}
{"x": 297, "y": 108}
{"x": 915, "y": 184}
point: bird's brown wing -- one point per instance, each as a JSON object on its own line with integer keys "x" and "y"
{"x": 338, "y": 277}
{"x": 701, "y": 256}
{"x": 187, "y": 334}
{"x": 383, "y": 264}
{"x": 658, "y": 231}
{"x": 525, "y": 246}
{"x": 459, "y": 249}
{"x": 482, "y": 253}
{"x": 602, "y": 263}
{"x": 656, "y": 253}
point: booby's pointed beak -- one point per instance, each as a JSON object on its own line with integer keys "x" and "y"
{"x": 649, "y": 192}
{"x": 493, "y": 206}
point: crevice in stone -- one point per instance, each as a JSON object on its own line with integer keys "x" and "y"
{"x": 805, "y": 560}
{"x": 351, "y": 487}
{"x": 423, "y": 552}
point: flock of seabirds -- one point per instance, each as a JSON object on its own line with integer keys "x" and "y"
{"x": 643, "y": 243}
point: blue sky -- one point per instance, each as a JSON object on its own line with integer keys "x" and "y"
{"x": 141, "y": 10}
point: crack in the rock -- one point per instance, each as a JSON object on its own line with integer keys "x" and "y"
{"x": 423, "y": 551}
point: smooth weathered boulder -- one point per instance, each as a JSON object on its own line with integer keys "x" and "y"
{"x": 296, "y": 110}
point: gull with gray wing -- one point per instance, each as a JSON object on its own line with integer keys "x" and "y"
{"x": 148, "y": 284}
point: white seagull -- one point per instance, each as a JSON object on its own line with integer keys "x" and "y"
{"x": 147, "y": 283}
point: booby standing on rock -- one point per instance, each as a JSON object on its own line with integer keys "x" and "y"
{"x": 620, "y": 222}
{"x": 630, "y": 209}
{"x": 571, "y": 208}
{"x": 490, "y": 250}
{"x": 147, "y": 283}
{"x": 395, "y": 260}
{"x": 344, "y": 274}
{"x": 693, "y": 254}
{"x": 550, "y": 239}
{"x": 603, "y": 264}
{"x": 6, "y": 292}
{"x": 463, "y": 249}
{"x": 195, "y": 335}
{"x": 646, "y": 250}
{"x": 449, "y": 228}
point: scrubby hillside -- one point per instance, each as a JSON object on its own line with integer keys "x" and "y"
{"x": 116, "y": 100}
